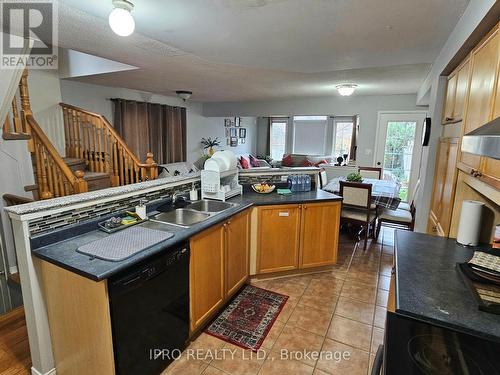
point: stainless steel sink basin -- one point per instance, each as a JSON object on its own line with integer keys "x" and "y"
{"x": 210, "y": 206}
{"x": 181, "y": 217}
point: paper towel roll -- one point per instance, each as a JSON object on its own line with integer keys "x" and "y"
{"x": 469, "y": 226}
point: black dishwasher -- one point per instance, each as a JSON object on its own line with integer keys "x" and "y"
{"x": 149, "y": 306}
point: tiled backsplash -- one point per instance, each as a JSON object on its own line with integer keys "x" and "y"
{"x": 74, "y": 216}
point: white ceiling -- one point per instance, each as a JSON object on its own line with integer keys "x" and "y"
{"x": 229, "y": 50}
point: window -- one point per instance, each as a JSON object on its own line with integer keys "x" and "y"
{"x": 278, "y": 138}
{"x": 310, "y": 135}
{"x": 342, "y": 138}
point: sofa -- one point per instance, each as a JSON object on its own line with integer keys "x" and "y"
{"x": 303, "y": 160}
{"x": 262, "y": 163}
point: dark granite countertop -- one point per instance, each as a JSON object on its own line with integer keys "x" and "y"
{"x": 60, "y": 248}
{"x": 430, "y": 288}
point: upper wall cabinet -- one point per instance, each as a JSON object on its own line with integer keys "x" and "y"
{"x": 449, "y": 104}
{"x": 456, "y": 92}
{"x": 483, "y": 78}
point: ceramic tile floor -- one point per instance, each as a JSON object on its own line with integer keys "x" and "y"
{"x": 341, "y": 312}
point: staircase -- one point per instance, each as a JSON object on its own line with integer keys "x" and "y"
{"x": 96, "y": 156}
{"x": 95, "y": 180}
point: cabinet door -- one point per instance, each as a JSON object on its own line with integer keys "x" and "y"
{"x": 433, "y": 226}
{"x": 237, "y": 247}
{"x": 449, "y": 104}
{"x": 278, "y": 238}
{"x": 491, "y": 167}
{"x": 439, "y": 175}
{"x": 461, "y": 92}
{"x": 450, "y": 179}
{"x": 206, "y": 275}
{"x": 319, "y": 234}
{"x": 484, "y": 63}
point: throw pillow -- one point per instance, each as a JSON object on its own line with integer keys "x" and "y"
{"x": 307, "y": 163}
{"x": 254, "y": 162}
{"x": 244, "y": 163}
{"x": 287, "y": 161}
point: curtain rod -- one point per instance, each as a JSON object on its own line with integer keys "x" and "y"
{"x": 138, "y": 101}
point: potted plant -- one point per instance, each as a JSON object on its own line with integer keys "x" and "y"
{"x": 209, "y": 143}
{"x": 354, "y": 177}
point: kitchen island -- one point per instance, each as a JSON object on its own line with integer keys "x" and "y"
{"x": 60, "y": 247}
{"x": 225, "y": 250}
{"x": 434, "y": 324}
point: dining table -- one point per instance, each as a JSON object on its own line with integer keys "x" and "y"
{"x": 385, "y": 193}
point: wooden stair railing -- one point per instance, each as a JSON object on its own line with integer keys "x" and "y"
{"x": 16, "y": 130}
{"x": 91, "y": 137}
{"x": 13, "y": 200}
{"x": 53, "y": 177}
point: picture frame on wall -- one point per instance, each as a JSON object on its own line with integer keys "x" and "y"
{"x": 234, "y": 141}
{"x": 243, "y": 132}
{"x": 243, "y": 140}
{"x": 237, "y": 121}
{"x": 233, "y": 132}
{"x": 227, "y": 122}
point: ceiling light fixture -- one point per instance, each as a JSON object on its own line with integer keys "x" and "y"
{"x": 183, "y": 94}
{"x": 120, "y": 18}
{"x": 346, "y": 89}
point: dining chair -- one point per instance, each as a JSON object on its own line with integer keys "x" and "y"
{"x": 323, "y": 178}
{"x": 356, "y": 207}
{"x": 370, "y": 172}
{"x": 399, "y": 219}
{"x": 407, "y": 205}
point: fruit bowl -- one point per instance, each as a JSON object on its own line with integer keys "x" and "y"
{"x": 263, "y": 188}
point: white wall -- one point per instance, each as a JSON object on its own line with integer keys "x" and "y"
{"x": 17, "y": 172}
{"x": 96, "y": 99}
{"x": 45, "y": 96}
{"x": 366, "y": 107}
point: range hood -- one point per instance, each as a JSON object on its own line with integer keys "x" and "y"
{"x": 484, "y": 141}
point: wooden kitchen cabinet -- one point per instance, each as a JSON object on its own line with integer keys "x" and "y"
{"x": 206, "y": 274}
{"x": 297, "y": 236}
{"x": 456, "y": 93}
{"x": 449, "y": 104}
{"x": 319, "y": 234}
{"x": 461, "y": 91}
{"x": 218, "y": 267}
{"x": 484, "y": 67}
{"x": 237, "y": 251}
{"x": 278, "y": 238}
{"x": 445, "y": 177}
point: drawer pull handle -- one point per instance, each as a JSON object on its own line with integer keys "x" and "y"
{"x": 284, "y": 214}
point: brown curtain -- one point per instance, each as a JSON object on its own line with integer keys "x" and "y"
{"x": 268, "y": 136}
{"x": 151, "y": 127}
{"x": 354, "y": 140}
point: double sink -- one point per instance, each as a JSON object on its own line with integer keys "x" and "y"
{"x": 194, "y": 213}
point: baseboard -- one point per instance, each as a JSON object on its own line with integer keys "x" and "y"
{"x": 12, "y": 269}
{"x": 34, "y": 371}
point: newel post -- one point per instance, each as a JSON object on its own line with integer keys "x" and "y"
{"x": 81, "y": 184}
{"x": 25, "y": 106}
{"x": 152, "y": 172}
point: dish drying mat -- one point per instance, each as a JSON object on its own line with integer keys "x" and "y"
{"x": 123, "y": 245}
